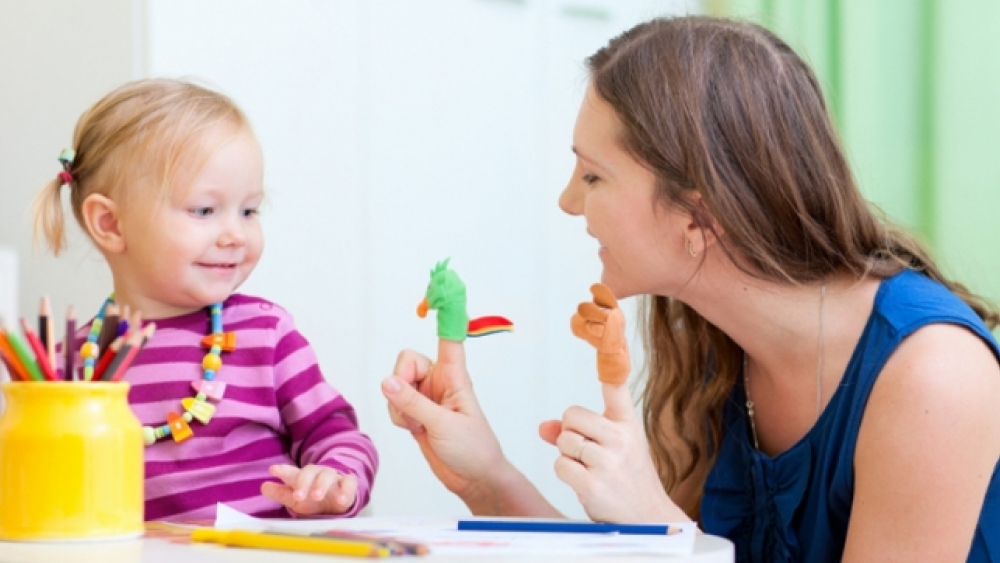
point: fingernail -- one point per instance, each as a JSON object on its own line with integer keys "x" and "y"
{"x": 392, "y": 384}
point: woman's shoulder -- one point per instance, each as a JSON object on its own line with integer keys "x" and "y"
{"x": 911, "y": 297}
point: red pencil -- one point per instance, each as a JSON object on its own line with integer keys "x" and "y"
{"x": 107, "y": 357}
{"x": 41, "y": 356}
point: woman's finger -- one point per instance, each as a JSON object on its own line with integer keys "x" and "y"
{"x": 589, "y": 424}
{"x": 411, "y": 366}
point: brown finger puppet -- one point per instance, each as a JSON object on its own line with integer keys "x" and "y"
{"x": 601, "y": 323}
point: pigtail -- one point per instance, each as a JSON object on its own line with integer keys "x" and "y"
{"x": 50, "y": 223}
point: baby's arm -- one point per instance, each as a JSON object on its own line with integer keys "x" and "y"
{"x": 331, "y": 454}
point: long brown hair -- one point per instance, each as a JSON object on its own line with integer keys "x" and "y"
{"x": 726, "y": 109}
{"x": 132, "y": 143}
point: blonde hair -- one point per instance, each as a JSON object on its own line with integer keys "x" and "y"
{"x": 135, "y": 138}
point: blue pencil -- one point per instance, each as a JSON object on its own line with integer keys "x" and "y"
{"x": 567, "y": 526}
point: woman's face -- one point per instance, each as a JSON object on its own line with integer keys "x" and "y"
{"x": 642, "y": 243}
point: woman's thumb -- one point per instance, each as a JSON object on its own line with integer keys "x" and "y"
{"x": 410, "y": 402}
{"x": 617, "y": 402}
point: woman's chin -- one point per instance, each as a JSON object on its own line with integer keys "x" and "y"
{"x": 622, "y": 290}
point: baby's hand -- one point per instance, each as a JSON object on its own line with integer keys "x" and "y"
{"x": 314, "y": 489}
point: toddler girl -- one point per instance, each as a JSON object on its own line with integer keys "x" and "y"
{"x": 166, "y": 178}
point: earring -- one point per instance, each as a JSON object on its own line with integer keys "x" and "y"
{"x": 690, "y": 249}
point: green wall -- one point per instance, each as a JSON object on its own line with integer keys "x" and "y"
{"x": 914, "y": 86}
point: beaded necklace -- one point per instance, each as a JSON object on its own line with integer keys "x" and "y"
{"x": 196, "y": 408}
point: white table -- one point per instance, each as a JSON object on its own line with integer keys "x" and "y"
{"x": 708, "y": 549}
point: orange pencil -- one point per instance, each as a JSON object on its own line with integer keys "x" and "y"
{"x": 17, "y": 371}
{"x": 41, "y": 357}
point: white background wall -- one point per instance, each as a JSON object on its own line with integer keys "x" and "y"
{"x": 396, "y": 133}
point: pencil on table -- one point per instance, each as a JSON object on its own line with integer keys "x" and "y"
{"x": 14, "y": 367}
{"x": 128, "y": 352}
{"x": 24, "y": 357}
{"x": 109, "y": 330}
{"x": 69, "y": 354}
{"x": 41, "y": 356}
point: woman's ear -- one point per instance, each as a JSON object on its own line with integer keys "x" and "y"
{"x": 702, "y": 230}
{"x": 100, "y": 215}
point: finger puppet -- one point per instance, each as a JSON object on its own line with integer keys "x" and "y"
{"x": 601, "y": 323}
{"x": 446, "y": 295}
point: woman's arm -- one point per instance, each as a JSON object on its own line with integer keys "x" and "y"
{"x": 928, "y": 445}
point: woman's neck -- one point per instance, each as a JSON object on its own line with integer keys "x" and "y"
{"x": 779, "y": 325}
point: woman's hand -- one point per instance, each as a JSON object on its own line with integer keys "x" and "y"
{"x": 605, "y": 459}
{"x": 314, "y": 489}
{"x": 437, "y": 404}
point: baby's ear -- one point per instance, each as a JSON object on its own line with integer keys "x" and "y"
{"x": 100, "y": 215}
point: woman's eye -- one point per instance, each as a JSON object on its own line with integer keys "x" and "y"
{"x": 202, "y": 211}
{"x": 589, "y": 179}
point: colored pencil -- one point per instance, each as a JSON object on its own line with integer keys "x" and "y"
{"x": 106, "y": 357}
{"x": 41, "y": 357}
{"x": 289, "y": 542}
{"x": 563, "y": 526}
{"x": 46, "y": 334}
{"x": 24, "y": 357}
{"x": 109, "y": 330}
{"x": 14, "y": 367}
{"x": 123, "y": 322}
{"x": 10, "y": 369}
{"x": 69, "y": 354}
{"x": 127, "y": 353}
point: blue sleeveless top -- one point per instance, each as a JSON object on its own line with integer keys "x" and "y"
{"x": 796, "y": 506}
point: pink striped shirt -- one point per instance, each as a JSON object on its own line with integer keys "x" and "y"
{"x": 277, "y": 408}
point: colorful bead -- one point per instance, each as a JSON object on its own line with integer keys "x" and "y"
{"x": 89, "y": 351}
{"x": 211, "y": 389}
{"x": 225, "y": 341}
{"x": 199, "y": 409}
{"x": 211, "y": 362}
{"x": 206, "y": 388}
{"x": 179, "y": 428}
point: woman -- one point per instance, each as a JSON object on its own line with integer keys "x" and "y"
{"x": 816, "y": 389}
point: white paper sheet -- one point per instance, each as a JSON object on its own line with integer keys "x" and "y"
{"x": 442, "y": 536}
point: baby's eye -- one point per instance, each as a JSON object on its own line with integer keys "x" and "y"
{"x": 201, "y": 211}
{"x": 590, "y": 179}
{"x": 251, "y": 212}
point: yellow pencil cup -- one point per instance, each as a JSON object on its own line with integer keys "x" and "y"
{"x": 71, "y": 465}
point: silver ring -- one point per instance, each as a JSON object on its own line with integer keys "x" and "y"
{"x": 579, "y": 451}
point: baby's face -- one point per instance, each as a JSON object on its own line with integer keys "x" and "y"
{"x": 202, "y": 243}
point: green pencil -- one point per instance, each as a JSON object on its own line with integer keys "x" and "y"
{"x": 24, "y": 356}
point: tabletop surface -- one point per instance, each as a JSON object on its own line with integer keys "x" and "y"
{"x": 162, "y": 548}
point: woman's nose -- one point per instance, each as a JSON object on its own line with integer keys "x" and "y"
{"x": 571, "y": 199}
